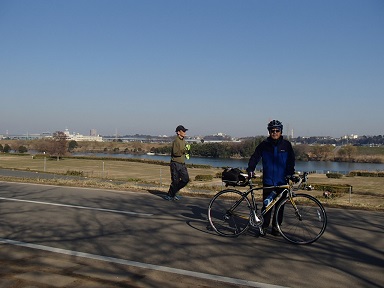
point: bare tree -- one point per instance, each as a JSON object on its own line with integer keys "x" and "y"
{"x": 322, "y": 152}
{"x": 15, "y": 144}
{"x": 41, "y": 145}
{"x": 302, "y": 151}
{"x": 347, "y": 151}
{"x": 58, "y": 145}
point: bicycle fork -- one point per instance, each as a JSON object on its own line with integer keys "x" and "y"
{"x": 255, "y": 219}
{"x": 297, "y": 213}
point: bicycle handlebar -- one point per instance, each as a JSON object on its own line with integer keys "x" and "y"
{"x": 301, "y": 179}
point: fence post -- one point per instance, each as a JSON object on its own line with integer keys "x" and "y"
{"x": 350, "y": 192}
{"x": 161, "y": 182}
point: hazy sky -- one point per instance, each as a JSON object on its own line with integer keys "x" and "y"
{"x": 212, "y": 65}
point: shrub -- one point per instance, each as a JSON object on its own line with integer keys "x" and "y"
{"x": 203, "y": 177}
{"x": 334, "y": 188}
{"x": 334, "y": 175}
{"x": 366, "y": 173}
{"x": 23, "y": 149}
{"x": 7, "y": 148}
{"x": 74, "y": 173}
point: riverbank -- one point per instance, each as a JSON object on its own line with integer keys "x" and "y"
{"x": 316, "y": 166}
{"x": 304, "y": 152}
{"x": 367, "y": 192}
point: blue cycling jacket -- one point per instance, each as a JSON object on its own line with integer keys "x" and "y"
{"x": 278, "y": 161}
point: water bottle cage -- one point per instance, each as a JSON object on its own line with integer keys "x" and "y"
{"x": 271, "y": 203}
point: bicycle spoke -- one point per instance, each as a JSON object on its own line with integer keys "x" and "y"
{"x": 228, "y": 213}
{"x": 304, "y": 222}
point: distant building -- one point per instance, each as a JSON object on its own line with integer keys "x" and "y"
{"x": 352, "y": 136}
{"x": 218, "y": 138}
{"x": 93, "y": 132}
{"x": 78, "y": 137}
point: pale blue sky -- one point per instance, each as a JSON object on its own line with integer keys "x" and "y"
{"x": 212, "y": 65}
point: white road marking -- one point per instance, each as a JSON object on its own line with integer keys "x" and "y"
{"x": 200, "y": 275}
{"x": 78, "y": 207}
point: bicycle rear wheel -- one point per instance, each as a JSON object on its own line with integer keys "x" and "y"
{"x": 229, "y": 212}
{"x": 304, "y": 221}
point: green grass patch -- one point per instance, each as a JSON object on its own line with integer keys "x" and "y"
{"x": 203, "y": 177}
{"x": 366, "y": 174}
{"x": 371, "y": 151}
{"x": 334, "y": 175}
{"x": 75, "y": 173}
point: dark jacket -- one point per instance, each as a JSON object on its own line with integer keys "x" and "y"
{"x": 278, "y": 161}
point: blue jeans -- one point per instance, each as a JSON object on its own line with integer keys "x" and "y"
{"x": 179, "y": 177}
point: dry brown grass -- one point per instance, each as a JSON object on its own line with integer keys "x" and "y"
{"x": 111, "y": 169}
{"x": 368, "y": 192}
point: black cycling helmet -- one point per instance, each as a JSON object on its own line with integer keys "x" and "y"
{"x": 275, "y": 124}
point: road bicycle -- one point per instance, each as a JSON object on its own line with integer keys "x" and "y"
{"x": 231, "y": 212}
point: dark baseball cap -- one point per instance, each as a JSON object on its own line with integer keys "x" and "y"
{"x": 181, "y": 127}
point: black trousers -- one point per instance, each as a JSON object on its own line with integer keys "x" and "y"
{"x": 179, "y": 178}
{"x": 267, "y": 216}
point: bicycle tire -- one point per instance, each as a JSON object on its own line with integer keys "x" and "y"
{"x": 224, "y": 220}
{"x": 307, "y": 225}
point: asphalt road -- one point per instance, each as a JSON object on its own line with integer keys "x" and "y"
{"x": 74, "y": 237}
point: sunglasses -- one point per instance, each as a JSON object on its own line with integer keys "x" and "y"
{"x": 274, "y": 131}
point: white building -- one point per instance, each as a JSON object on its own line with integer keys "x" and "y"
{"x": 78, "y": 137}
{"x": 352, "y": 136}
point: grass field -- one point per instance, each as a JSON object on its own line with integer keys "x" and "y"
{"x": 363, "y": 150}
{"x": 368, "y": 192}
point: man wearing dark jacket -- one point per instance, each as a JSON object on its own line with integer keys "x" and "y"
{"x": 278, "y": 161}
{"x": 179, "y": 172}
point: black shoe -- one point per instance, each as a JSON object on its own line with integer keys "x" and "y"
{"x": 275, "y": 232}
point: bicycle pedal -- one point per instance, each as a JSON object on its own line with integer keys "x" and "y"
{"x": 263, "y": 232}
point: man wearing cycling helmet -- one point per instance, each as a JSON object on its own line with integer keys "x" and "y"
{"x": 278, "y": 161}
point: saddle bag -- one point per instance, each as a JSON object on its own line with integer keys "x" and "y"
{"x": 233, "y": 177}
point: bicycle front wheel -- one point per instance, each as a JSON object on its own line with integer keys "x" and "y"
{"x": 304, "y": 219}
{"x": 229, "y": 212}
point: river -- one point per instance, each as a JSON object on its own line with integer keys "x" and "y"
{"x": 318, "y": 166}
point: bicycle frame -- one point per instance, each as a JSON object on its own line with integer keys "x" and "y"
{"x": 285, "y": 188}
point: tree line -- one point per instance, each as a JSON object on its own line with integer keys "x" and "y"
{"x": 359, "y": 141}
{"x": 303, "y": 152}
{"x": 245, "y": 149}
{"x": 218, "y": 150}
{"x": 58, "y": 146}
